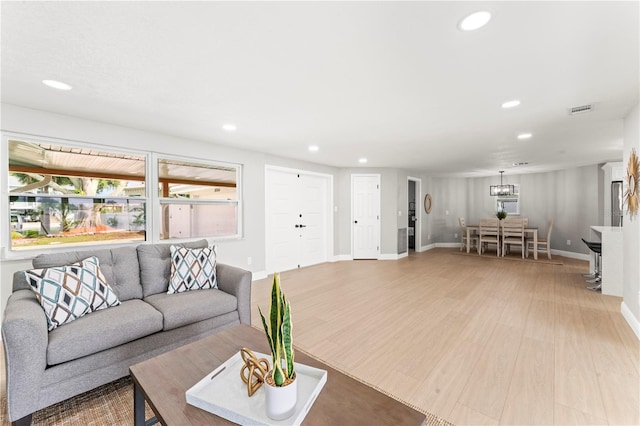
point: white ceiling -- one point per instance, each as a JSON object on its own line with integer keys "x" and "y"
{"x": 395, "y": 82}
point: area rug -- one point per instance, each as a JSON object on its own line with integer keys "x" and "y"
{"x": 516, "y": 257}
{"x": 110, "y": 404}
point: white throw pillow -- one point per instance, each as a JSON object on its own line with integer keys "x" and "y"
{"x": 192, "y": 269}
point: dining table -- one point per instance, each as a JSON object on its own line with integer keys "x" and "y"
{"x": 528, "y": 230}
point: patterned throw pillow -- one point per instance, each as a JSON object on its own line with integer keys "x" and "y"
{"x": 192, "y": 269}
{"x": 69, "y": 292}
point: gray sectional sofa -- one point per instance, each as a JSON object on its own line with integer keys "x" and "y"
{"x": 43, "y": 368}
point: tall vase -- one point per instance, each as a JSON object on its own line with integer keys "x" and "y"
{"x": 281, "y": 400}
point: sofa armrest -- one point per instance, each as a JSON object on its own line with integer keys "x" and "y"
{"x": 25, "y": 339}
{"x": 237, "y": 282}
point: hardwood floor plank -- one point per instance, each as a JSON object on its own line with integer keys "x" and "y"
{"x": 530, "y": 399}
{"x": 486, "y": 390}
{"x": 443, "y": 386}
{"x": 464, "y": 415}
{"x": 541, "y": 321}
{"x": 576, "y": 383}
{"x": 620, "y": 394}
{"x": 628, "y": 338}
{"x": 605, "y": 344}
{"x": 563, "y": 415}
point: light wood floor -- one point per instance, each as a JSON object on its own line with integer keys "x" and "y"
{"x": 472, "y": 340}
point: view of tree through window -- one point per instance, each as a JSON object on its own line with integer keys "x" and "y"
{"x": 72, "y": 196}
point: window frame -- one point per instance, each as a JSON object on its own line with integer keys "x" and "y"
{"x": 151, "y": 197}
{"x": 510, "y": 198}
{"x": 156, "y": 157}
{"x": 8, "y": 252}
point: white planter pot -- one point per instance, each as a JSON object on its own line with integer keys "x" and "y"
{"x": 281, "y": 401}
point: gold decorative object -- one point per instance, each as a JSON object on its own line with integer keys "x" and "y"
{"x": 256, "y": 370}
{"x": 633, "y": 179}
{"x": 427, "y": 203}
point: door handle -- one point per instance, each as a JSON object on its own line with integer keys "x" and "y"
{"x": 297, "y": 226}
{"x": 303, "y": 226}
{"x": 355, "y": 221}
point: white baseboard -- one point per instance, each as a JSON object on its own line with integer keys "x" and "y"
{"x": 448, "y": 245}
{"x": 341, "y": 257}
{"x": 428, "y": 247}
{"x": 633, "y": 322}
{"x": 570, "y": 254}
{"x": 392, "y": 256}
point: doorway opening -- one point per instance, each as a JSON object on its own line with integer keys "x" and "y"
{"x": 414, "y": 187}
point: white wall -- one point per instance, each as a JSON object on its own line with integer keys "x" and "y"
{"x": 631, "y": 234}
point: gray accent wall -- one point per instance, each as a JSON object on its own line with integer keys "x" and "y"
{"x": 571, "y": 197}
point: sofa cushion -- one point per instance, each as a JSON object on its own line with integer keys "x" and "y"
{"x": 103, "y": 330}
{"x": 155, "y": 265}
{"x": 192, "y": 269}
{"x": 119, "y": 266}
{"x": 192, "y": 306}
{"x": 69, "y": 292}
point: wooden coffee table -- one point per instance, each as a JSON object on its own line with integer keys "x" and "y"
{"x": 162, "y": 381}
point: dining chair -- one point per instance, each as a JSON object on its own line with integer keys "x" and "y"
{"x": 489, "y": 233}
{"x": 473, "y": 236}
{"x": 543, "y": 242}
{"x": 513, "y": 234}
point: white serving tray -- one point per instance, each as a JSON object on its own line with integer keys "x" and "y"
{"x": 226, "y": 394}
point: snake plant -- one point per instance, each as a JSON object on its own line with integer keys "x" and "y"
{"x": 279, "y": 334}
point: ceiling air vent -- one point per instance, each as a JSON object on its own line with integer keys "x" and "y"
{"x": 580, "y": 109}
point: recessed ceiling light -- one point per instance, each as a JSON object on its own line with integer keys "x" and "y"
{"x": 229, "y": 127}
{"x": 56, "y": 84}
{"x": 474, "y": 21}
{"x": 313, "y": 148}
{"x": 524, "y": 136}
{"x": 362, "y": 160}
{"x": 511, "y": 104}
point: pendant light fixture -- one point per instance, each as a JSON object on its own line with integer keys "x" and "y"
{"x": 499, "y": 190}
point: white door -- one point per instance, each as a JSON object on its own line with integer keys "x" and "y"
{"x": 312, "y": 220}
{"x": 281, "y": 203}
{"x": 365, "y": 199}
{"x": 296, "y": 219}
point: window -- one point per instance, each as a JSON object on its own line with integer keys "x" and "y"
{"x": 509, "y": 203}
{"x": 198, "y": 199}
{"x": 66, "y": 195}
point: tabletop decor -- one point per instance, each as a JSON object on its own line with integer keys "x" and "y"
{"x": 633, "y": 176}
{"x": 281, "y": 389}
{"x": 253, "y": 371}
{"x": 501, "y": 214}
